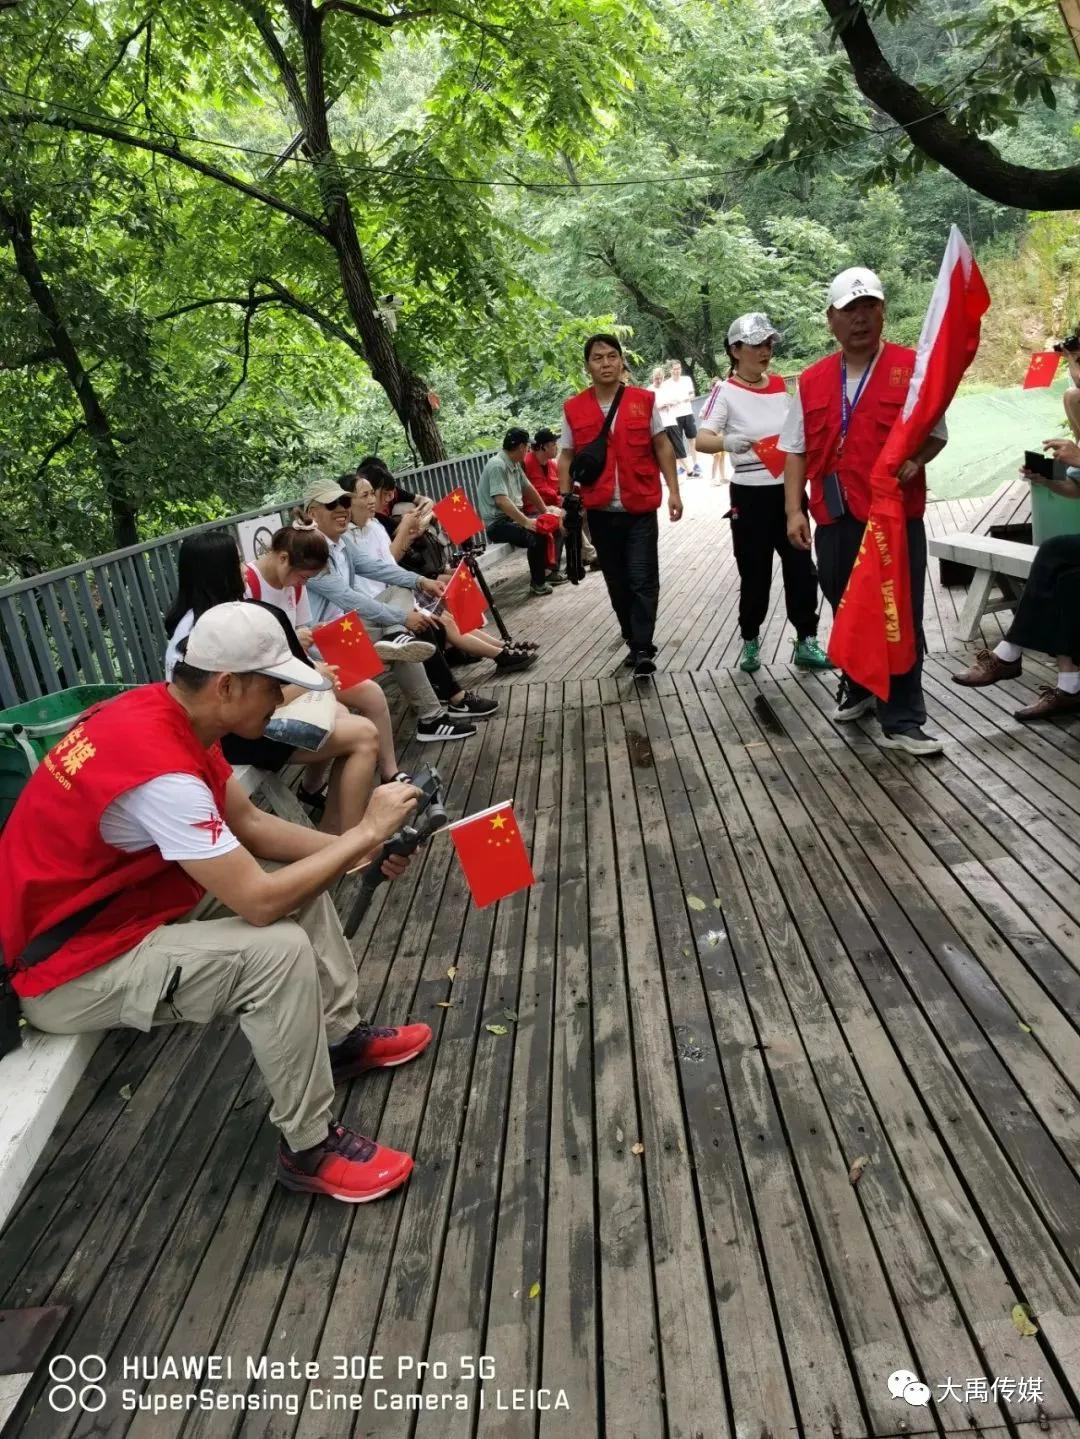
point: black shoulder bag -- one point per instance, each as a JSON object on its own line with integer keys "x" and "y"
{"x": 42, "y": 947}
{"x": 588, "y": 463}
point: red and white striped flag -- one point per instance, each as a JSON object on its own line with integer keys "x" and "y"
{"x": 873, "y": 634}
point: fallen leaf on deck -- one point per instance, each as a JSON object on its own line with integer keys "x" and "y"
{"x": 714, "y": 936}
{"x": 717, "y": 904}
{"x": 443, "y": 1004}
{"x": 637, "y": 1148}
{"x": 534, "y": 1292}
{"x": 686, "y": 949}
{"x": 496, "y": 1029}
{"x": 619, "y": 1136}
{"x": 125, "y": 1091}
{"x": 695, "y": 903}
{"x": 451, "y": 973}
{"x": 511, "y": 1015}
{"x": 855, "y": 1172}
{"x": 1021, "y": 1317}
{"x": 1025, "y": 1027}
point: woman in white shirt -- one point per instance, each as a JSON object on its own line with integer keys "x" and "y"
{"x": 742, "y": 411}
{"x": 371, "y": 537}
{"x": 279, "y": 577}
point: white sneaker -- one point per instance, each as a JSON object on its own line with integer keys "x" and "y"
{"x": 403, "y": 646}
{"x": 911, "y": 741}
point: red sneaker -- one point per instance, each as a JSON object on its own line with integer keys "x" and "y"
{"x": 369, "y": 1048}
{"x": 347, "y": 1167}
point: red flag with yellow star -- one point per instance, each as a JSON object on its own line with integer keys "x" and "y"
{"x": 345, "y": 643}
{"x": 492, "y": 854}
{"x": 1042, "y": 370}
{"x": 464, "y": 599}
{"x": 457, "y": 517}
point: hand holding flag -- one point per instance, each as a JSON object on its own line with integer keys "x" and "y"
{"x": 457, "y": 517}
{"x": 770, "y": 454}
{"x": 345, "y": 643}
{"x": 464, "y": 599}
{"x": 492, "y": 854}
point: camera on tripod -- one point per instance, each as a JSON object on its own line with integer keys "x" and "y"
{"x": 428, "y": 817}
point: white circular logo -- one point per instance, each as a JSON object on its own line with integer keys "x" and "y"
{"x": 63, "y": 1397}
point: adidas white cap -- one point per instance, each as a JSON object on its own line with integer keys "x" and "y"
{"x": 854, "y": 284}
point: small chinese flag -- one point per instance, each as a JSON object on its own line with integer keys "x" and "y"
{"x": 1042, "y": 370}
{"x": 464, "y": 599}
{"x": 770, "y": 454}
{"x": 492, "y": 854}
{"x": 457, "y": 517}
{"x": 345, "y": 643}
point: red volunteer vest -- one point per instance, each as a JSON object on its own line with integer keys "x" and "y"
{"x": 543, "y": 475}
{"x": 629, "y": 449}
{"x": 872, "y": 419}
{"x": 52, "y": 854}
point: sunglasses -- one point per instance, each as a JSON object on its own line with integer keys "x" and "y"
{"x": 343, "y": 502}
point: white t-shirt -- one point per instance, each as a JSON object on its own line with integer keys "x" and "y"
{"x": 566, "y": 442}
{"x": 675, "y": 398}
{"x": 296, "y": 607}
{"x": 174, "y": 812}
{"x": 374, "y": 541}
{"x": 737, "y": 409}
{"x": 793, "y": 435}
{"x": 172, "y": 649}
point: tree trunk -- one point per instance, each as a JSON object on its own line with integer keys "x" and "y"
{"x": 405, "y": 390}
{"x": 18, "y": 226}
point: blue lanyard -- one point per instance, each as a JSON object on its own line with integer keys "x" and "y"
{"x": 847, "y": 407}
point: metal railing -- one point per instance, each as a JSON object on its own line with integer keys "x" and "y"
{"x": 101, "y": 621}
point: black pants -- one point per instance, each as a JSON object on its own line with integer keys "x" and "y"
{"x": 626, "y": 546}
{"x": 439, "y": 673}
{"x": 837, "y": 546}
{"x": 509, "y": 532}
{"x": 758, "y": 531}
{"x": 1047, "y": 617}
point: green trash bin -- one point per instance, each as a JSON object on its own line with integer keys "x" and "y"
{"x": 29, "y": 731}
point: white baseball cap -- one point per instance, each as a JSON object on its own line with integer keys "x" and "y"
{"x": 241, "y": 639}
{"x": 753, "y": 328}
{"x": 854, "y": 284}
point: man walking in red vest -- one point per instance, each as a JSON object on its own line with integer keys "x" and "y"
{"x": 134, "y": 896}
{"x": 838, "y": 421}
{"x": 623, "y": 500}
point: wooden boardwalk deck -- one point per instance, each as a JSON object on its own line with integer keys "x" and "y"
{"x": 769, "y": 1088}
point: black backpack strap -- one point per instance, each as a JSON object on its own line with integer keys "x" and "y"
{"x": 43, "y": 946}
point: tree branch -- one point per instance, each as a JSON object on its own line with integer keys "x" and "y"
{"x": 407, "y": 17}
{"x": 256, "y": 13}
{"x": 172, "y": 152}
{"x": 56, "y": 446}
{"x": 36, "y": 357}
{"x": 250, "y": 306}
{"x": 125, "y": 41}
{"x": 277, "y": 294}
{"x": 972, "y": 160}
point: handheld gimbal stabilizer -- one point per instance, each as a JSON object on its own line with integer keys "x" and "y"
{"x": 428, "y": 817}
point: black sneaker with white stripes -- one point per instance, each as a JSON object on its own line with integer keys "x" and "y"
{"x": 442, "y": 728}
{"x": 469, "y": 707}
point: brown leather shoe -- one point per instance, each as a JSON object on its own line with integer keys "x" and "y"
{"x": 1051, "y": 702}
{"x": 987, "y": 670}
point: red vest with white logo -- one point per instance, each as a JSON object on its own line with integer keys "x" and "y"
{"x": 53, "y": 857}
{"x": 629, "y": 449}
{"x": 871, "y": 420}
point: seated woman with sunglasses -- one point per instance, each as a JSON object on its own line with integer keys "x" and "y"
{"x": 209, "y": 574}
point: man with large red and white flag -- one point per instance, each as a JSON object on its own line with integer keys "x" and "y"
{"x": 862, "y": 428}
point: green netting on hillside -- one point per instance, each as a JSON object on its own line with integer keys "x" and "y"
{"x": 989, "y": 430}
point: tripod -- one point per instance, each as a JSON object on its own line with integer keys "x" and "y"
{"x": 468, "y": 555}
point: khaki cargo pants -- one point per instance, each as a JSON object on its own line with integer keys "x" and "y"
{"x": 292, "y": 984}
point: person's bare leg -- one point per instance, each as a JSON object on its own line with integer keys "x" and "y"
{"x": 354, "y": 747}
{"x": 369, "y": 700}
{"x": 474, "y": 643}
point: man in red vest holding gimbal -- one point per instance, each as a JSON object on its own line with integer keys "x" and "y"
{"x": 624, "y": 494}
{"x": 839, "y": 418}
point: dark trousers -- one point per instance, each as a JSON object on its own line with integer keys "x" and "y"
{"x": 626, "y": 546}
{"x": 837, "y": 547}
{"x": 509, "y": 532}
{"x": 1047, "y": 617}
{"x": 759, "y": 531}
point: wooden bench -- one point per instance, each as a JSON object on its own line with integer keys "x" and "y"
{"x": 1002, "y": 563}
{"x": 38, "y": 1079}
